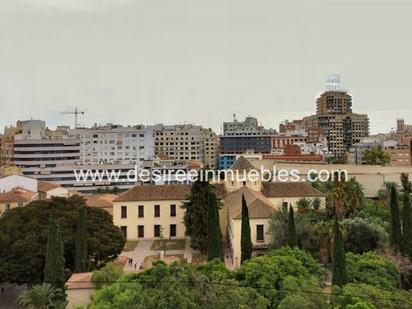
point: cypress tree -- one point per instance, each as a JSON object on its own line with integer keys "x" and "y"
{"x": 54, "y": 264}
{"x": 246, "y": 246}
{"x": 214, "y": 237}
{"x": 407, "y": 226}
{"x": 81, "y": 258}
{"x": 338, "y": 257}
{"x": 291, "y": 237}
{"x": 395, "y": 235}
{"x": 195, "y": 217}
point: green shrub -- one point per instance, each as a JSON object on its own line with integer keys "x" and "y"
{"x": 106, "y": 275}
{"x": 372, "y": 269}
{"x": 304, "y": 257}
{"x": 361, "y": 236}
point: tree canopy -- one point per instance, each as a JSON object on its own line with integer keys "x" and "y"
{"x": 261, "y": 282}
{"x": 376, "y": 156}
{"x": 196, "y": 213}
{"x": 370, "y": 268}
{"x": 23, "y": 231}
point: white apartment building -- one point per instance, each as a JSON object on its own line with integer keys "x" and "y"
{"x": 113, "y": 144}
{"x": 187, "y": 143}
{"x": 39, "y": 153}
{"x": 55, "y": 155}
{"x": 319, "y": 148}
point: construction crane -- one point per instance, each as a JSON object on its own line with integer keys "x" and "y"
{"x": 75, "y": 111}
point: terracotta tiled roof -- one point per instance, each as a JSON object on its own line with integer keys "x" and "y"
{"x": 80, "y": 281}
{"x": 155, "y": 193}
{"x": 289, "y": 189}
{"x": 104, "y": 201}
{"x": 17, "y": 195}
{"x": 44, "y": 186}
{"x": 259, "y": 206}
{"x": 242, "y": 164}
{"x": 100, "y": 200}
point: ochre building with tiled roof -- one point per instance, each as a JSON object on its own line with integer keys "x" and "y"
{"x": 152, "y": 211}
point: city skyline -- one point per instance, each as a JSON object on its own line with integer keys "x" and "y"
{"x": 269, "y": 61}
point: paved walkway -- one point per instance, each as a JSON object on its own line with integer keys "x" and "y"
{"x": 143, "y": 249}
{"x": 138, "y": 255}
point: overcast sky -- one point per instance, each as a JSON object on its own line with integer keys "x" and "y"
{"x": 188, "y": 61}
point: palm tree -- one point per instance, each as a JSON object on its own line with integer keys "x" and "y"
{"x": 42, "y": 296}
{"x": 304, "y": 204}
{"x": 338, "y": 197}
{"x": 355, "y": 194}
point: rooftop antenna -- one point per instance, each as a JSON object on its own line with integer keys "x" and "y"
{"x": 74, "y": 111}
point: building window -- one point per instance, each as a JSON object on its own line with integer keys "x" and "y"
{"x": 173, "y": 210}
{"x": 172, "y": 230}
{"x": 123, "y": 214}
{"x": 157, "y": 210}
{"x": 260, "y": 235}
{"x": 123, "y": 229}
{"x": 140, "y": 211}
{"x": 140, "y": 231}
{"x": 157, "y": 230}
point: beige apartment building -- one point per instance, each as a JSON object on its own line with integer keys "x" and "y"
{"x": 187, "y": 143}
{"x": 151, "y": 211}
{"x": 399, "y": 156}
{"x": 335, "y": 118}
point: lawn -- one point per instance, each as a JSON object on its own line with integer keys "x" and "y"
{"x": 130, "y": 245}
{"x": 171, "y": 244}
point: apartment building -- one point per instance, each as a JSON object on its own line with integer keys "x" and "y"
{"x": 114, "y": 144}
{"x": 56, "y": 156}
{"x": 245, "y": 137}
{"x": 279, "y": 141}
{"x": 287, "y": 126}
{"x": 151, "y": 211}
{"x": 187, "y": 142}
{"x": 7, "y": 143}
{"x": 169, "y": 171}
{"x": 399, "y": 153}
{"x": 35, "y": 149}
{"x": 401, "y": 127}
{"x": 335, "y": 118}
{"x": 242, "y": 144}
{"x": 249, "y": 126}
